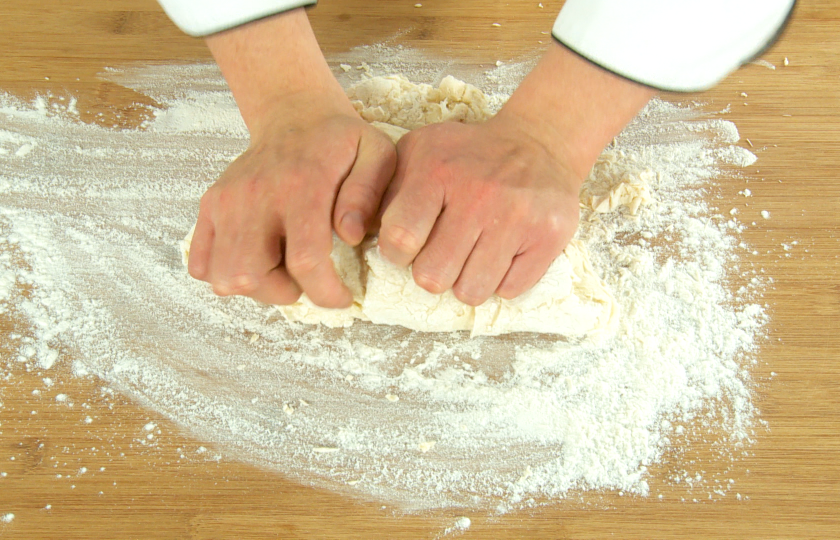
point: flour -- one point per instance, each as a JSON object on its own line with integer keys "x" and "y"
{"x": 460, "y": 525}
{"x": 88, "y": 218}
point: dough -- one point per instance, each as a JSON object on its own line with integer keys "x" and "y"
{"x": 570, "y": 300}
{"x": 609, "y": 188}
{"x": 397, "y": 101}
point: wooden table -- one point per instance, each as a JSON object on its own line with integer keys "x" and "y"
{"x": 792, "y": 477}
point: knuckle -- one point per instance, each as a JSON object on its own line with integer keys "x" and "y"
{"x": 359, "y": 196}
{"x": 520, "y": 210}
{"x": 220, "y": 288}
{"x": 223, "y": 201}
{"x": 197, "y": 271}
{"x": 243, "y": 284}
{"x": 208, "y": 201}
{"x": 303, "y": 261}
{"x": 252, "y": 186}
{"x": 554, "y": 224}
{"x": 401, "y": 239}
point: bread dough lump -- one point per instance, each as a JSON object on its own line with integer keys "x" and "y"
{"x": 399, "y": 102}
{"x": 570, "y": 299}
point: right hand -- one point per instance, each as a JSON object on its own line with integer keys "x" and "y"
{"x": 264, "y": 229}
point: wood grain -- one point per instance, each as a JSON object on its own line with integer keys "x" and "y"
{"x": 792, "y": 476}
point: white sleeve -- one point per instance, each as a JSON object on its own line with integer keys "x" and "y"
{"x": 676, "y": 45}
{"x": 203, "y": 17}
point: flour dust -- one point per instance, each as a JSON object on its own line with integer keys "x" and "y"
{"x": 90, "y": 221}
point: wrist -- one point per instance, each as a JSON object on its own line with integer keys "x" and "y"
{"x": 296, "y": 110}
{"x": 274, "y": 67}
{"x": 573, "y": 107}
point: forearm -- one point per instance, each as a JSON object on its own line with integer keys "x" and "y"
{"x": 574, "y": 107}
{"x": 274, "y": 61}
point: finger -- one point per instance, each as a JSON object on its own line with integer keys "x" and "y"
{"x": 255, "y": 268}
{"x": 277, "y": 288}
{"x": 361, "y": 192}
{"x": 415, "y": 203}
{"x": 222, "y": 266}
{"x": 309, "y": 243}
{"x": 246, "y": 245}
{"x": 485, "y": 268}
{"x": 405, "y": 148}
{"x": 441, "y": 260}
{"x": 525, "y": 271}
{"x": 200, "y": 249}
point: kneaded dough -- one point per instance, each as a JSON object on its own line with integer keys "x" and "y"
{"x": 570, "y": 299}
{"x": 396, "y": 101}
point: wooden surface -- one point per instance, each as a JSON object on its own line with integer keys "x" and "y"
{"x": 792, "y": 478}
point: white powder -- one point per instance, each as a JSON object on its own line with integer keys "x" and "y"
{"x": 7, "y": 518}
{"x": 461, "y": 524}
{"x": 89, "y": 223}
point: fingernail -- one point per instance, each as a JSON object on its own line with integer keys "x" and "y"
{"x": 353, "y": 224}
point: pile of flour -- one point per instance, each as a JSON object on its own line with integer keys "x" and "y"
{"x": 89, "y": 217}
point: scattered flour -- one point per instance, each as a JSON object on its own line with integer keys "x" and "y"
{"x": 461, "y": 524}
{"x": 88, "y": 218}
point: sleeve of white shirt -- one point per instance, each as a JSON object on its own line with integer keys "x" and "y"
{"x": 204, "y": 17}
{"x": 677, "y": 45}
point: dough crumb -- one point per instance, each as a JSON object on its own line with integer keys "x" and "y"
{"x": 425, "y": 446}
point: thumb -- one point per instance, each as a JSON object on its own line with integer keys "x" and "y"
{"x": 361, "y": 192}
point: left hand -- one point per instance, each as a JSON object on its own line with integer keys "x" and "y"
{"x": 486, "y": 208}
{"x": 479, "y": 208}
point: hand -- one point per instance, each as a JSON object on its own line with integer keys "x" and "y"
{"x": 480, "y": 209}
{"x": 289, "y": 189}
{"x": 264, "y": 229}
{"x": 486, "y": 208}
